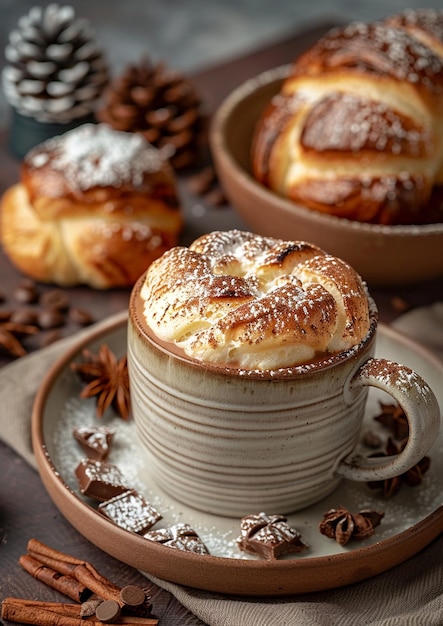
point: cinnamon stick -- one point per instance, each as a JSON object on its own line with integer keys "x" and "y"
{"x": 40, "y": 550}
{"x": 79, "y": 580}
{"x": 38, "y": 547}
{"x": 67, "y": 585}
{"x": 43, "y": 613}
{"x": 83, "y": 571}
{"x": 106, "y": 591}
{"x": 59, "y": 566}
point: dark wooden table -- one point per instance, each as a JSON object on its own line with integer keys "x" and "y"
{"x": 25, "y": 508}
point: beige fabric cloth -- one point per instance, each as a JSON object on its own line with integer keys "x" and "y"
{"x": 409, "y": 595}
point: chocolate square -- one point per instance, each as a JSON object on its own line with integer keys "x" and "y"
{"x": 95, "y": 440}
{"x": 99, "y": 480}
{"x": 130, "y": 511}
{"x": 269, "y": 536}
{"x": 180, "y": 536}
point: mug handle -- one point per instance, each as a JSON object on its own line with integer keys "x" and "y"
{"x": 420, "y": 406}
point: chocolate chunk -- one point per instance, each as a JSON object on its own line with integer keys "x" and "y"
{"x": 130, "y": 511}
{"x": 99, "y": 480}
{"x": 132, "y": 595}
{"x": 180, "y": 536}
{"x": 269, "y": 536}
{"x": 95, "y": 440}
{"x": 108, "y": 611}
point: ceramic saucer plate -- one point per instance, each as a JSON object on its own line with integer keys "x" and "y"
{"x": 413, "y": 518}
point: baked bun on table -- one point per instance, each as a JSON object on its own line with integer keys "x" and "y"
{"x": 236, "y": 298}
{"x": 93, "y": 206}
{"x": 357, "y": 128}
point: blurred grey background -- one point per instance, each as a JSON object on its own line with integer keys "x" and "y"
{"x": 193, "y": 34}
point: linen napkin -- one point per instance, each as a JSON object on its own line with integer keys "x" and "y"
{"x": 410, "y": 594}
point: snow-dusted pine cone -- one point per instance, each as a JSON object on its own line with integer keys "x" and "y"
{"x": 162, "y": 105}
{"x": 55, "y": 70}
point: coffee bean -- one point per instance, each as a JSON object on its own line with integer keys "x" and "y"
{"x": 202, "y": 182}
{"x": 80, "y": 316}
{"x": 56, "y": 299}
{"x": 29, "y": 283}
{"x": 24, "y": 316}
{"x": 5, "y": 315}
{"x": 50, "y": 318}
{"x": 400, "y": 305}
{"x": 215, "y": 197}
{"x": 50, "y": 337}
{"x": 25, "y": 293}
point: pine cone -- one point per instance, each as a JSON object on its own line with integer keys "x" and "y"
{"x": 56, "y": 71}
{"x": 162, "y": 105}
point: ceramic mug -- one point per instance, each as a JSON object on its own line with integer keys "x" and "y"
{"x": 233, "y": 442}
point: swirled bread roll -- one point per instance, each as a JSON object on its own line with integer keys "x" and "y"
{"x": 357, "y": 127}
{"x": 94, "y": 206}
{"x": 235, "y": 298}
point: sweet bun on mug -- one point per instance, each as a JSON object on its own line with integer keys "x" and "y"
{"x": 239, "y": 299}
{"x": 93, "y": 206}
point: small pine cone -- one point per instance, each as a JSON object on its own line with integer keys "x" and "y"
{"x": 55, "y": 71}
{"x": 162, "y": 105}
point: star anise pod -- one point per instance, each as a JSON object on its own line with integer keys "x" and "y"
{"x": 10, "y": 333}
{"x": 412, "y": 477}
{"x": 341, "y": 525}
{"x": 393, "y": 417}
{"x": 107, "y": 379}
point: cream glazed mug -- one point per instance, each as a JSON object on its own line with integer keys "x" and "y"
{"x": 232, "y": 442}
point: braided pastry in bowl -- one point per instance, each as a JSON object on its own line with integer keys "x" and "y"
{"x": 356, "y": 130}
{"x": 94, "y": 206}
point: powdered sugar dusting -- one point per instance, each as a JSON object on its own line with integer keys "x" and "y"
{"x": 383, "y": 49}
{"x": 130, "y": 511}
{"x": 94, "y": 155}
{"x": 349, "y": 122}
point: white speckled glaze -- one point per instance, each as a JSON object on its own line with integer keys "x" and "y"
{"x": 232, "y": 442}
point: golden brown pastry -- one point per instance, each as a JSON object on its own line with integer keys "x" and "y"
{"x": 357, "y": 128}
{"x": 94, "y": 206}
{"x": 239, "y": 299}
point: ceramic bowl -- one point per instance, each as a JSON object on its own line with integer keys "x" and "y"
{"x": 383, "y": 255}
